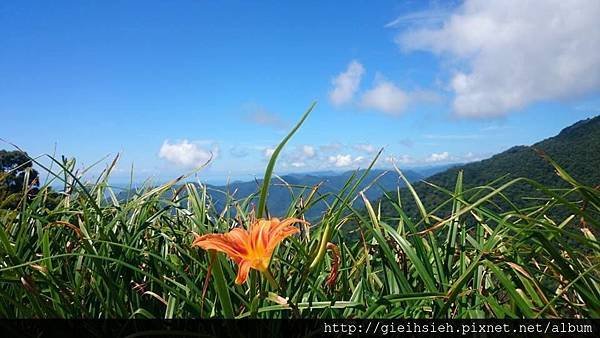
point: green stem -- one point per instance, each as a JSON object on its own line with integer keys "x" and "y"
{"x": 271, "y": 279}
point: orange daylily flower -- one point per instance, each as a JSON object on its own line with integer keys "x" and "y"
{"x": 251, "y": 248}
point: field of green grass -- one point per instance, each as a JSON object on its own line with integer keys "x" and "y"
{"x": 93, "y": 255}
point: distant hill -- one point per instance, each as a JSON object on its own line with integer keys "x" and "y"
{"x": 282, "y": 188}
{"x": 331, "y": 182}
{"x": 280, "y": 198}
{"x": 576, "y": 148}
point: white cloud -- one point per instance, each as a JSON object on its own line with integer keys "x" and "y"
{"x": 187, "y": 154}
{"x": 308, "y": 151}
{"x": 473, "y": 157}
{"x": 438, "y": 157}
{"x": 385, "y": 97}
{"x": 298, "y": 164}
{"x": 268, "y": 152}
{"x": 365, "y": 147}
{"x": 346, "y": 84}
{"x": 515, "y": 52}
{"x": 340, "y": 160}
{"x": 430, "y": 16}
{"x": 300, "y": 157}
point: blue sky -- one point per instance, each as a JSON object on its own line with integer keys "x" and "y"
{"x": 166, "y": 83}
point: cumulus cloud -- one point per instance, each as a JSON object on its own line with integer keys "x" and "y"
{"x": 322, "y": 156}
{"x": 438, "y": 157}
{"x": 340, "y": 160}
{"x": 512, "y": 53}
{"x": 187, "y": 154}
{"x": 385, "y": 97}
{"x": 346, "y": 84}
{"x": 300, "y": 157}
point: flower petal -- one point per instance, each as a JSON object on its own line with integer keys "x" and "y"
{"x": 281, "y": 230}
{"x": 232, "y": 243}
{"x": 279, "y": 235}
{"x": 277, "y": 226}
{"x": 259, "y": 233}
{"x": 243, "y": 271}
{"x": 252, "y": 248}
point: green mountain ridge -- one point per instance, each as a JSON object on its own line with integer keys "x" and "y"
{"x": 285, "y": 188}
{"x": 282, "y": 191}
{"x": 576, "y": 149}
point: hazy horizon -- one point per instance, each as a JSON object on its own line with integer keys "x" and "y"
{"x": 220, "y": 180}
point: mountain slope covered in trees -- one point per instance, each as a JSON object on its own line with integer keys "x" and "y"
{"x": 281, "y": 190}
{"x": 576, "y": 149}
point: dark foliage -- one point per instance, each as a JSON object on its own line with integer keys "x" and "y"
{"x": 16, "y": 178}
{"x": 575, "y": 148}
